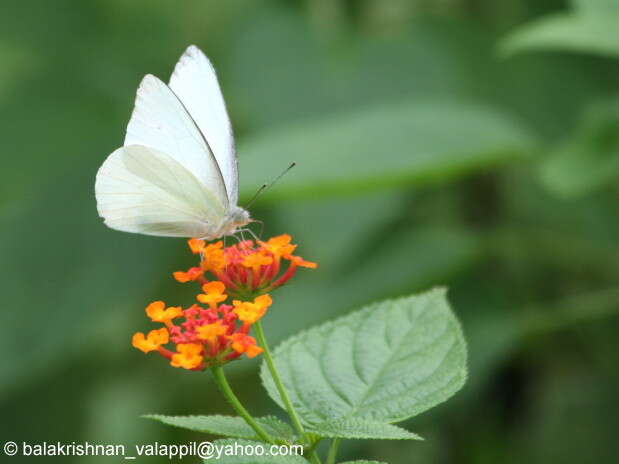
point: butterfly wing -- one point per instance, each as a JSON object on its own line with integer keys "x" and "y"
{"x": 161, "y": 121}
{"x": 143, "y": 190}
{"x": 195, "y": 83}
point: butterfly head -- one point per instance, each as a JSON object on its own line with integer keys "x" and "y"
{"x": 237, "y": 217}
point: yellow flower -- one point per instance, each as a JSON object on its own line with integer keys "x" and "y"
{"x": 213, "y": 257}
{"x": 249, "y": 312}
{"x": 280, "y": 246}
{"x": 242, "y": 343}
{"x": 157, "y": 312}
{"x": 213, "y": 293}
{"x": 188, "y": 357}
{"x": 255, "y": 260}
{"x": 210, "y": 332}
{"x": 152, "y": 342}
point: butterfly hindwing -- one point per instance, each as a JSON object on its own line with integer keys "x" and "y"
{"x": 143, "y": 190}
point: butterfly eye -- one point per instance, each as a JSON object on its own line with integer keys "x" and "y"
{"x": 240, "y": 217}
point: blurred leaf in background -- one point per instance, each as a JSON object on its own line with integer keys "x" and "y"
{"x": 408, "y": 143}
{"x": 590, "y": 27}
{"x": 589, "y": 159}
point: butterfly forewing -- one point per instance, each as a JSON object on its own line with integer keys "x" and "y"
{"x": 195, "y": 83}
{"x": 160, "y": 121}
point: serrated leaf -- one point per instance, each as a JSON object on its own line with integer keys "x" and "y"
{"x": 356, "y": 428}
{"x": 576, "y": 32}
{"x": 229, "y": 451}
{"x": 386, "y": 362}
{"x": 228, "y": 426}
{"x": 407, "y": 143}
{"x": 336, "y": 234}
{"x": 277, "y": 428}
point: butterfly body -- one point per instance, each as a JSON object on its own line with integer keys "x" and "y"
{"x": 177, "y": 174}
{"x": 236, "y": 218}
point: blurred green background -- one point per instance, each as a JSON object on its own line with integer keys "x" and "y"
{"x": 467, "y": 143}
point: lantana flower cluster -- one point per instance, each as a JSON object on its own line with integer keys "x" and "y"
{"x": 247, "y": 268}
{"x": 216, "y": 331}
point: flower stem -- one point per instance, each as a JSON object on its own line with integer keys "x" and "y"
{"x": 283, "y": 393}
{"x": 335, "y": 444}
{"x": 224, "y": 387}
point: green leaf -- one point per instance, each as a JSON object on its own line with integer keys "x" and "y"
{"x": 229, "y": 426}
{"x": 340, "y": 234}
{"x": 386, "y": 362}
{"x": 589, "y": 159}
{"x": 596, "y": 6}
{"x": 356, "y": 428}
{"x": 363, "y": 462}
{"x": 229, "y": 451}
{"x": 401, "y": 144}
{"x": 575, "y": 32}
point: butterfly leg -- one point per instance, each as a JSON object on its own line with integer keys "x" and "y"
{"x": 261, "y": 226}
{"x": 251, "y": 232}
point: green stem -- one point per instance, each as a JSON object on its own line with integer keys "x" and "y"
{"x": 224, "y": 387}
{"x": 335, "y": 444}
{"x": 283, "y": 393}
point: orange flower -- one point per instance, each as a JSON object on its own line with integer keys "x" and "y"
{"x": 213, "y": 293}
{"x": 194, "y": 273}
{"x": 189, "y": 356}
{"x": 280, "y": 246}
{"x": 250, "y": 313}
{"x": 213, "y": 257}
{"x": 242, "y": 343}
{"x": 203, "y": 339}
{"x": 215, "y": 333}
{"x": 248, "y": 268}
{"x": 256, "y": 260}
{"x": 157, "y": 312}
{"x": 210, "y": 332}
{"x": 298, "y": 261}
{"x": 196, "y": 245}
{"x": 152, "y": 342}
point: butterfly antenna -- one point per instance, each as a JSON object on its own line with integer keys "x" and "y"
{"x": 264, "y": 187}
{"x": 253, "y": 199}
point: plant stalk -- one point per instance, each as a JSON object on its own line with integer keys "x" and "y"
{"x": 224, "y": 387}
{"x": 283, "y": 393}
{"x": 335, "y": 444}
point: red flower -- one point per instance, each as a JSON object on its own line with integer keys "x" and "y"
{"x": 217, "y": 333}
{"x": 208, "y": 336}
{"x": 248, "y": 268}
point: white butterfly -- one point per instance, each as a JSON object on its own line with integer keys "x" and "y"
{"x": 176, "y": 174}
